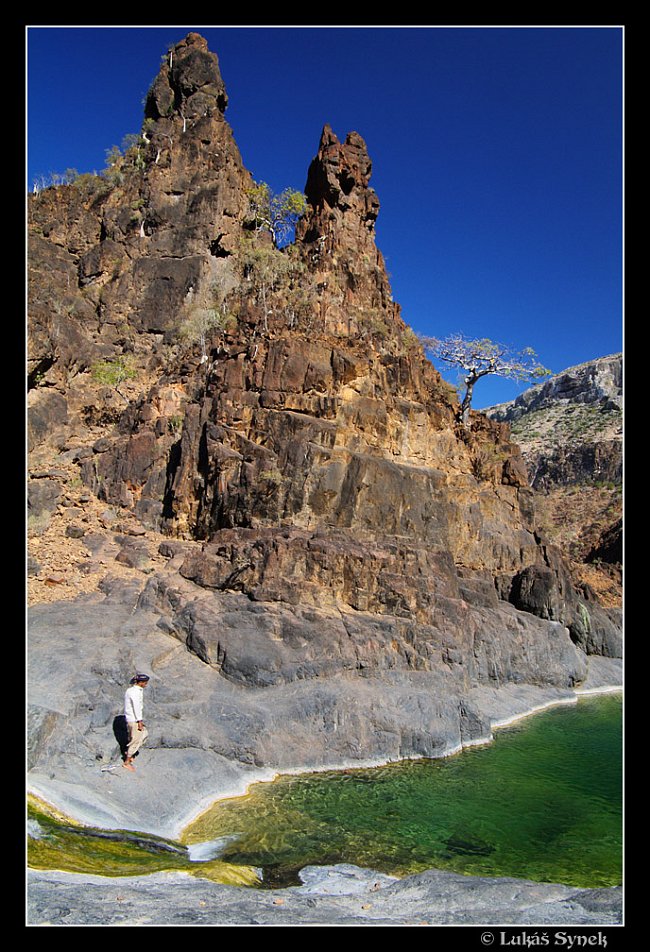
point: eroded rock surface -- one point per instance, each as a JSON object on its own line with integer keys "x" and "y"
{"x": 338, "y": 895}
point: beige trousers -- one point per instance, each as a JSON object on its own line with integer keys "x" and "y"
{"x": 136, "y": 737}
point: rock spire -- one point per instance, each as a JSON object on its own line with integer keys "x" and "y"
{"x": 189, "y": 82}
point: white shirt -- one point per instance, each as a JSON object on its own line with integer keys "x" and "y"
{"x": 134, "y": 703}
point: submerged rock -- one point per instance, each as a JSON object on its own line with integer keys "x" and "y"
{"x": 457, "y": 843}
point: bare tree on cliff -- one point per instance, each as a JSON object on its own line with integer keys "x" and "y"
{"x": 479, "y": 357}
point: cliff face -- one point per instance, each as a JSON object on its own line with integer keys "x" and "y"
{"x": 132, "y": 248}
{"x": 274, "y": 464}
{"x": 316, "y": 411}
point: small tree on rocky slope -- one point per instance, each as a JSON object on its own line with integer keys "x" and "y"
{"x": 275, "y": 213}
{"x": 199, "y": 325}
{"x": 113, "y": 372}
{"x": 479, "y": 357}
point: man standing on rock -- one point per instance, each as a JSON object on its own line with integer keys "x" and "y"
{"x": 133, "y": 712}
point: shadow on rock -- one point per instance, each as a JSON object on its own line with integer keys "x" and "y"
{"x": 121, "y": 732}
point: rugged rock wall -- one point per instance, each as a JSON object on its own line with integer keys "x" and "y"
{"x": 319, "y": 521}
{"x": 116, "y": 262}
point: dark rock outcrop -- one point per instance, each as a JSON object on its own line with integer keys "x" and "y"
{"x": 608, "y": 547}
{"x": 116, "y": 261}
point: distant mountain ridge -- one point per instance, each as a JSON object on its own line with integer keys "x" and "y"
{"x": 570, "y": 433}
{"x": 570, "y": 428}
{"x": 592, "y": 381}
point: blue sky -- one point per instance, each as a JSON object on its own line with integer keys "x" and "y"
{"x": 497, "y": 155}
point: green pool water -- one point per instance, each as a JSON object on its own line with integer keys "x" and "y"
{"x": 542, "y": 802}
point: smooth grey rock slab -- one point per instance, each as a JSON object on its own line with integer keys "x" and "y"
{"x": 339, "y": 895}
{"x": 210, "y": 737}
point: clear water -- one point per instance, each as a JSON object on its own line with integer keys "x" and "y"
{"x": 542, "y": 802}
